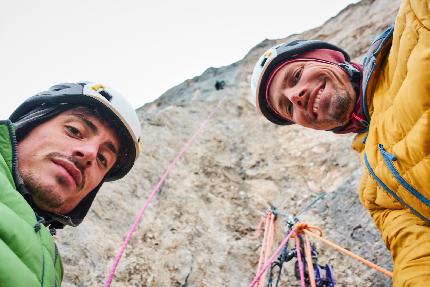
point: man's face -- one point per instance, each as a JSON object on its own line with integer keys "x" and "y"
{"x": 313, "y": 94}
{"x": 65, "y": 158}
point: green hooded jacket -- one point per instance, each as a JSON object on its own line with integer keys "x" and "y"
{"x": 28, "y": 254}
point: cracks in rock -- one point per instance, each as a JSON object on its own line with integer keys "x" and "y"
{"x": 185, "y": 284}
{"x": 353, "y": 233}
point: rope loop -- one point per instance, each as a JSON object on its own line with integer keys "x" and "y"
{"x": 302, "y": 226}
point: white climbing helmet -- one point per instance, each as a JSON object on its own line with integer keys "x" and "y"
{"x": 282, "y": 53}
{"x": 102, "y": 98}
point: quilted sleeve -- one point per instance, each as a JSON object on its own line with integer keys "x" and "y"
{"x": 408, "y": 238}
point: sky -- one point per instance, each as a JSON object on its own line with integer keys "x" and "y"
{"x": 140, "y": 48}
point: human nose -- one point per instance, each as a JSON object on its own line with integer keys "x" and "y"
{"x": 86, "y": 154}
{"x": 298, "y": 97}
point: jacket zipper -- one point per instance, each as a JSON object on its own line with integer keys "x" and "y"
{"x": 383, "y": 185}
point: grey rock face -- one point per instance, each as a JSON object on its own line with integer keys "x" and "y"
{"x": 200, "y": 229}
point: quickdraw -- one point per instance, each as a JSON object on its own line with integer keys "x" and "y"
{"x": 323, "y": 274}
{"x": 312, "y": 273}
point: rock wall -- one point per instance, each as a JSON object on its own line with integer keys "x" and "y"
{"x": 200, "y": 229}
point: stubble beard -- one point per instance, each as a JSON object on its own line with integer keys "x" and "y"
{"x": 43, "y": 195}
{"x": 341, "y": 107}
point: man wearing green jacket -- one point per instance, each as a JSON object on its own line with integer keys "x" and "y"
{"x": 56, "y": 150}
{"x": 386, "y": 102}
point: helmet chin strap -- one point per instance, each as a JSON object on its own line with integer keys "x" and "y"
{"x": 355, "y": 77}
{"x": 356, "y": 123}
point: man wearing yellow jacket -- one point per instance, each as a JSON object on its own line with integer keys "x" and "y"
{"x": 387, "y": 103}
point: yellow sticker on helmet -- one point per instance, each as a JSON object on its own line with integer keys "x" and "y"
{"x": 268, "y": 54}
{"x": 98, "y": 87}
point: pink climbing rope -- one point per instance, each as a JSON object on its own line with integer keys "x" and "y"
{"x": 155, "y": 191}
{"x": 299, "y": 259}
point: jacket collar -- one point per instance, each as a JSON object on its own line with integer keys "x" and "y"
{"x": 360, "y": 117}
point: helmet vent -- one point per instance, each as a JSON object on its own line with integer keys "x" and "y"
{"x": 263, "y": 62}
{"x": 60, "y": 87}
{"x": 105, "y": 95}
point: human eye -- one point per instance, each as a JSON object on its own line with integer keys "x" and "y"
{"x": 102, "y": 159}
{"x": 73, "y": 131}
{"x": 285, "y": 107}
{"x": 297, "y": 75}
{"x": 290, "y": 109}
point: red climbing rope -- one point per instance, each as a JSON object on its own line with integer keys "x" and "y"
{"x": 155, "y": 191}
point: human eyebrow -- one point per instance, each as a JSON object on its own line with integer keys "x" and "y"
{"x": 285, "y": 79}
{"x": 88, "y": 123}
{"x": 112, "y": 148}
{"x": 278, "y": 104}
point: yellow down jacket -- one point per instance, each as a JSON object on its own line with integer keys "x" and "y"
{"x": 395, "y": 186}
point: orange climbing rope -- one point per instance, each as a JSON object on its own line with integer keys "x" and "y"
{"x": 307, "y": 229}
{"x": 309, "y": 262}
{"x": 266, "y": 247}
